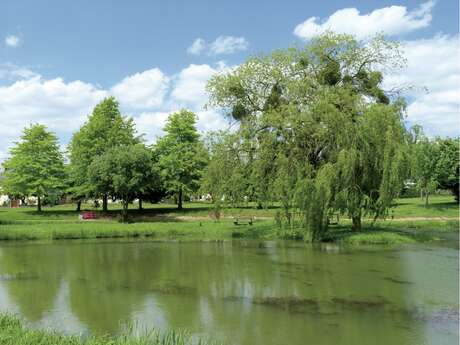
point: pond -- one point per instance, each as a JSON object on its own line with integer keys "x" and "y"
{"x": 240, "y": 292}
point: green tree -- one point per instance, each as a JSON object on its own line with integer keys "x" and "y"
{"x": 424, "y": 156}
{"x": 447, "y": 165}
{"x": 225, "y": 177}
{"x": 105, "y": 128}
{"x": 372, "y": 168}
{"x": 181, "y": 155}
{"x": 317, "y": 131}
{"x": 35, "y": 166}
{"x": 125, "y": 172}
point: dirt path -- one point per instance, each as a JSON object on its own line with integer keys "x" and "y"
{"x": 422, "y": 218}
{"x": 402, "y": 219}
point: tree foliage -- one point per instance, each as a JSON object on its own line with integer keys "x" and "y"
{"x": 424, "y": 156}
{"x": 105, "y": 129}
{"x": 35, "y": 166}
{"x": 123, "y": 172}
{"x": 448, "y": 165}
{"x": 316, "y": 130}
{"x": 435, "y": 163}
{"x": 181, "y": 155}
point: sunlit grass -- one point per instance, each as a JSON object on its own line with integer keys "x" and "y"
{"x": 165, "y": 222}
{"x": 439, "y": 206}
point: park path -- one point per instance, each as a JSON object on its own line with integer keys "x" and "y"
{"x": 396, "y": 219}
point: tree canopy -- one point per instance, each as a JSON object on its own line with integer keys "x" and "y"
{"x": 124, "y": 172}
{"x": 448, "y": 165}
{"x": 316, "y": 130}
{"x": 105, "y": 129}
{"x": 181, "y": 155}
{"x": 35, "y": 166}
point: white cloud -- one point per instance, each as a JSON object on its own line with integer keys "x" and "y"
{"x": 59, "y": 105}
{"x": 190, "y": 85}
{"x": 220, "y": 46}
{"x": 189, "y": 92}
{"x": 149, "y": 97}
{"x": 12, "y": 41}
{"x": 392, "y": 20}
{"x": 211, "y": 120}
{"x": 12, "y": 72}
{"x": 228, "y": 45}
{"x": 142, "y": 90}
{"x": 433, "y": 71}
{"x": 197, "y": 47}
{"x": 151, "y": 124}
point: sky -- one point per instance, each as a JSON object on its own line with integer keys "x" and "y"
{"x": 58, "y": 58}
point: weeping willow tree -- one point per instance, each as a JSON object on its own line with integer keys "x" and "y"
{"x": 319, "y": 133}
{"x": 226, "y": 177}
{"x": 372, "y": 168}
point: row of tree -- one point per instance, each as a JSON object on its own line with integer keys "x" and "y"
{"x": 106, "y": 159}
{"x": 434, "y": 164}
{"x": 314, "y": 131}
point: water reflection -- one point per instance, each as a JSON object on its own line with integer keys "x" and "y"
{"x": 245, "y": 292}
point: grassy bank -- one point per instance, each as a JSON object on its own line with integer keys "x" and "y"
{"x": 13, "y": 332}
{"x": 441, "y": 206}
{"x": 409, "y": 221}
{"x": 379, "y": 233}
{"x": 193, "y": 230}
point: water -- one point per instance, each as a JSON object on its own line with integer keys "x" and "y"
{"x": 241, "y": 292}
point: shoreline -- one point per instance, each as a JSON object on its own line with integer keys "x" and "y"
{"x": 383, "y": 232}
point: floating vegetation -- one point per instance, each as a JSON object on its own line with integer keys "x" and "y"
{"x": 174, "y": 289}
{"x": 360, "y": 304}
{"x": 291, "y": 303}
{"x": 293, "y": 265}
{"x": 398, "y": 281}
{"x": 306, "y": 305}
{"x": 18, "y": 276}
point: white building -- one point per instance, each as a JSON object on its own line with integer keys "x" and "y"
{"x": 4, "y": 200}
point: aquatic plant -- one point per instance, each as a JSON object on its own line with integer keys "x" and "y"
{"x": 13, "y": 332}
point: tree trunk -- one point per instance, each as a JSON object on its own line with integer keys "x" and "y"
{"x": 455, "y": 191}
{"x": 356, "y": 226}
{"x": 78, "y": 205}
{"x": 140, "y": 204}
{"x": 179, "y": 200}
{"x": 124, "y": 212}
{"x": 426, "y": 198}
{"x": 39, "y": 204}
{"x": 104, "y": 203}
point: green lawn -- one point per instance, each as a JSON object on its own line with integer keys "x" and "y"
{"x": 439, "y": 206}
{"x": 165, "y": 222}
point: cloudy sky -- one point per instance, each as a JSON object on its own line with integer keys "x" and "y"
{"x": 59, "y": 58}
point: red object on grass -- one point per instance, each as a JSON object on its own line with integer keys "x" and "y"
{"x": 88, "y": 215}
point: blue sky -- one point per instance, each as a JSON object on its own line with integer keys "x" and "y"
{"x": 58, "y": 58}
{"x": 103, "y": 41}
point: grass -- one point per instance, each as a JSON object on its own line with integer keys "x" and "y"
{"x": 381, "y": 237}
{"x": 439, "y": 206}
{"x": 13, "y": 332}
{"x": 192, "y": 230}
{"x": 410, "y": 221}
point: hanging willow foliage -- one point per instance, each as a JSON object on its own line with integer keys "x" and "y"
{"x": 323, "y": 135}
